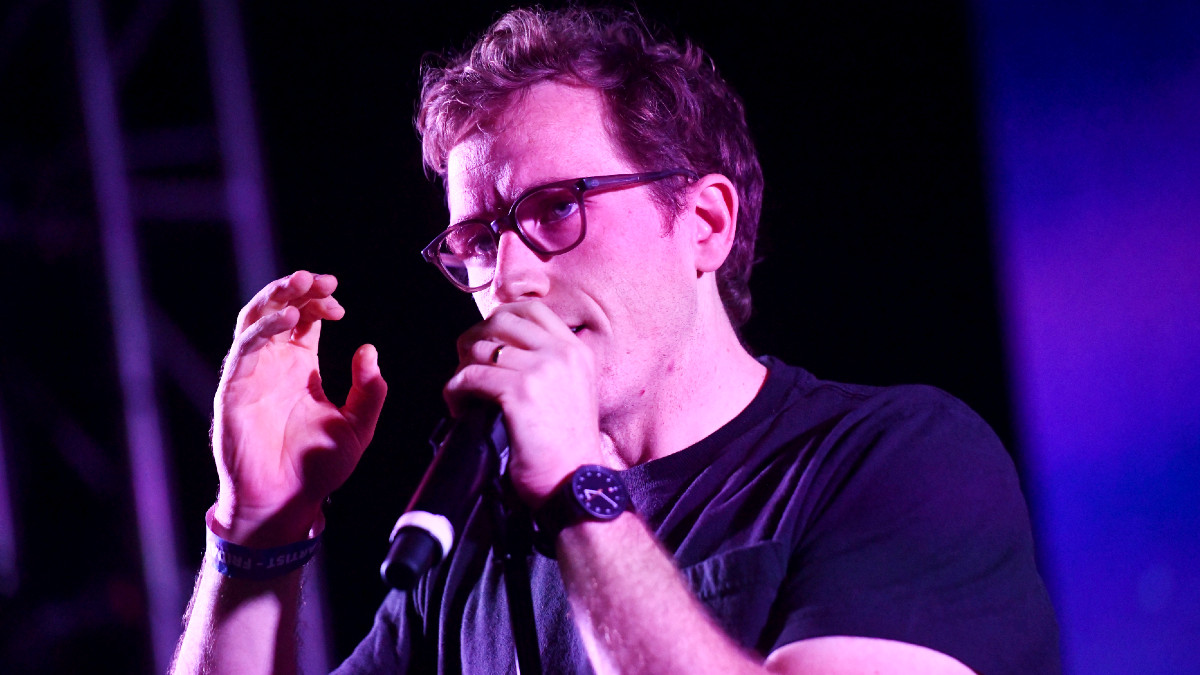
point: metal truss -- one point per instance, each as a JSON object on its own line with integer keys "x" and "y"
{"x": 144, "y": 173}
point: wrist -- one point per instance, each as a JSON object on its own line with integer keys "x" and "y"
{"x": 591, "y": 494}
{"x": 262, "y": 527}
{"x": 537, "y": 484}
{"x": 259, "y": 563}
{"x": 535, "y": 488}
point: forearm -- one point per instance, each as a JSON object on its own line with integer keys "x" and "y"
{"x": 633, "y": 609}
{"x": 240, "y": 625}
{"x": 636, "y": 615}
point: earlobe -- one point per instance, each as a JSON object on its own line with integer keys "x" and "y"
{"x": 714, "y": 211}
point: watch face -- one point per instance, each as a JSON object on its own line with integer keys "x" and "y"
{"x": 600, "y": 492}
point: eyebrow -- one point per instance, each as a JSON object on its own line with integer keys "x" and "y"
{"x": 506, "y": 203}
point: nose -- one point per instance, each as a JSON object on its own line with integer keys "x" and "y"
{"x": 520, "y": 272}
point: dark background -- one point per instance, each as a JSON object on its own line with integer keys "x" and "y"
{"x": 876, "y": 260}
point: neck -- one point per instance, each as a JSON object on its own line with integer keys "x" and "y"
{"x": 709, "y": 383}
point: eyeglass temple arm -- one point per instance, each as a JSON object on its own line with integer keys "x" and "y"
{"x": 598, "y": 182}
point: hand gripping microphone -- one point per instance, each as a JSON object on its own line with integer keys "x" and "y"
{"x": 465, "y": 459}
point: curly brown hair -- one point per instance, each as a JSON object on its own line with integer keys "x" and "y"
{"x": 667, "y": 107}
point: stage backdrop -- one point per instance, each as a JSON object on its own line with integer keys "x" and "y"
{"x": 1093, "y": 134}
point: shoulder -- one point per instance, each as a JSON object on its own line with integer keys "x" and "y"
{"x": 915, "y": 445}
{"x": 920, "y": 417}
{"x": 834, "y": 437}
{"x": 909, "y": 493}
{"x": 806, "y": 389}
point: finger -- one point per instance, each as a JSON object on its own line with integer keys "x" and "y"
{"x": 534, "y": 312}
{"x": 273, "y": 297}
{"x": 297, "y": 289}
{"x": 323, "y": 285}
{"x": 544, "y": 317}
{"x": 489, "y": 352}
{"x": 531, "y": 324}
{"x": 243, "y": 355}
{"x": 307, "y": 333}
{"x": 501, "y": 328}
{"x": 304, "y": 289}
{"x": 515, "y": 329}
{"x": 477, "y": 381}
{"x": 261, "y": 331}
{"x": 367, "y": 393}
{"x": 321, "y": 308}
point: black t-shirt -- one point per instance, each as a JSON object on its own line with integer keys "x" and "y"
{"x": 822, "y": 509}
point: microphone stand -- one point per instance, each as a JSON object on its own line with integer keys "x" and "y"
{"x": 512, "y": 546}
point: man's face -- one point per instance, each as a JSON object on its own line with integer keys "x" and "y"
{"x": 628, "y": 289}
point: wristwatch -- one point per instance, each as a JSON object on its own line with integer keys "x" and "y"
{"x": 592, "y": 492}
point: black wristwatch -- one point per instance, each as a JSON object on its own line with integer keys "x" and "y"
{"x": 592, "y": 492}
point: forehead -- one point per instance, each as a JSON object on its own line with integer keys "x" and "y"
{"x": 551, "y": 131}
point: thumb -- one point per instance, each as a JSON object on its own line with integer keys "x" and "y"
{"x": 367, "y": 392}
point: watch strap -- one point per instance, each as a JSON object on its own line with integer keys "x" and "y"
{"x": 562, "y": 510}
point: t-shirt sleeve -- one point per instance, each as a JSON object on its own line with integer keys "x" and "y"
{"x": 388, "y": 648}
{"x": 919, "y": 533}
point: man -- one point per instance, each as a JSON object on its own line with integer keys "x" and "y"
{"x": 604, "y": 195}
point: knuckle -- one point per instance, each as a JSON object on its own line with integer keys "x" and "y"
{"x": 464, "y": 346}
{"x": 527, "y": 389}
{"x": 577, "y": 355}
{"x": 461, "y": 381}
{"x": 505, "y": 322}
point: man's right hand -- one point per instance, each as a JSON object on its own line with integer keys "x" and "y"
{"x": 280, "y": 445}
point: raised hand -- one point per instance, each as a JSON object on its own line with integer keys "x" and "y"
{"x": 280, "y": 445}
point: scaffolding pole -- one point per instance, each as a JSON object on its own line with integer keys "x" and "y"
{"x": 253, "y": 244}
{"x": 245, "y": 191}
{"x": 9, "y": 572}
{"x": 127, "y": 303}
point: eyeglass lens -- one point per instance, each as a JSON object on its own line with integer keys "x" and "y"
{"x": 551, "y": 220}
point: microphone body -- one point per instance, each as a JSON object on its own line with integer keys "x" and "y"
{"x": 464, "y": 462}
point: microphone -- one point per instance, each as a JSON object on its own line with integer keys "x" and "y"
{"x": 466, "y": 458}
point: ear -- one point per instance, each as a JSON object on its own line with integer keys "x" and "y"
{"x": 713, "y": 221}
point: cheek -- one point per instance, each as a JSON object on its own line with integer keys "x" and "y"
{"x": 651, "y": 295}
{"x": 485, "y": 301}
{"x": 653, "y": 267}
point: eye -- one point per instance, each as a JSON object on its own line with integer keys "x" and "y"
{"x": 561, "y": 209}
{"x": 470, "y": 241}
{"x": 548, "y": 208}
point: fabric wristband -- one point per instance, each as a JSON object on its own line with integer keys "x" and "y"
{"x": 258, "y": 564}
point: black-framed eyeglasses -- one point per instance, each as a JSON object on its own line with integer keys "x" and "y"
{"x": 549, "y": 218}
